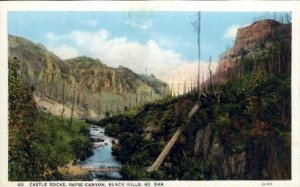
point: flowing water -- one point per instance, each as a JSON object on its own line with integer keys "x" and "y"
{"x": 102, "y": 157}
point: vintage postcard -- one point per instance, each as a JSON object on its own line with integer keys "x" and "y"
{"x": 149, "y": 93}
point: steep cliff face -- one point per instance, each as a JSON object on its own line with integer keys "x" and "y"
{"x": 98, "y": 88}
{"x": 260, "y": 34}
{"x": 97, "y": 77}
{"x": 268, "y": 42}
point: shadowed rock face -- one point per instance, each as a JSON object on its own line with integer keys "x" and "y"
{"x": 97, "y": 86}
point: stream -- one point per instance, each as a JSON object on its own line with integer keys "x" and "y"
{"x": 102, "y": 158}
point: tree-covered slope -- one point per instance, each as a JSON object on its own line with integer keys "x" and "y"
{"x": 243, "y": 133}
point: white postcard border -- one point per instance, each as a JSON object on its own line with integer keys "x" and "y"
{"x": 238, "y": 6}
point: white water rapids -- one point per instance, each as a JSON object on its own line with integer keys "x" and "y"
{"x": 102, "y": 155}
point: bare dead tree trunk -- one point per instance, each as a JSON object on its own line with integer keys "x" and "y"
{"x": 155, "y": 166}
{"x": 242, "y": 68}
{"x": 78, "y": 98}
{"x": 184, "y": 155}
{"x": 63, "y": 98}
{"x": 262, "y": 65}
{"x": 202, "y": 83}
{"x": 99, "y": 109}
{"x": 269, "y": 65}
{"x": 106, "y": 110}
{"x": 199, "y": 50}
{"x": 273, "y": 64}
{"x": 73, "y": 104}
{"x": 191, "y": 85}
{"x": 136, "y": 100}
{"x": 279, "y": 65}
{"x": 44, "y": 88}
{"x": 55, "y": 89}
{"x": 172, "y": 90}
{"x": 83, "y": 97}
{"x": 210, "y": 78}
{"x": 184, "y": 87}
{"x": 129, "y": 106}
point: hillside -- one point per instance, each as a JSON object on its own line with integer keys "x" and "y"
{"x": 242, "y": 129}
{"x": 39, "y": 143}
{"x": 265, "y": 44}
{"x": 98, "y": 90}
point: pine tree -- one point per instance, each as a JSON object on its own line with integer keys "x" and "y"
{"x": 23, "y": 163}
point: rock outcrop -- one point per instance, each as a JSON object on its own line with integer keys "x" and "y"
{"x": 262, "y": 39}
{"x": 100, "y": 89}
